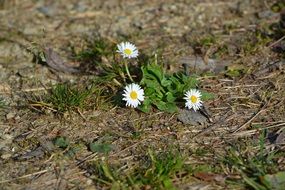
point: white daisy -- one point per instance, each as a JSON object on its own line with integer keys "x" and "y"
{"x": 133, "y": 95}
{"x": 193, "y": 99}
{"x": 127, "y": 50}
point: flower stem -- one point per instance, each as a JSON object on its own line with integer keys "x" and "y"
{"x": 128, "y": 72}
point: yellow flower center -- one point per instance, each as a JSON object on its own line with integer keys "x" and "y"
{"x": 193, "y": 99}
{"x": 128, "y": 51}
{"x": 134, "y": 95}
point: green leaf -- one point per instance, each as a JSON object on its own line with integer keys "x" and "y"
{"x": 100, "y": 147}
{"x": 274, "y": 181}
{"x": 61, "y": 142}
{"x": 165, "y": 82}
{"x": 107, "y": 171}
{"x": 168, "y": 184}
{"x": 160, "y": 105}
{"x": 171, "y": 107}
{"x": 190, "y": 82}
{"x": 149, "y": 91}
{"x": 156, "y": 70}
{"x": 115, "y": 185}
{"x": 152, "y": 84}
{"x": 154, "y": 92}
{"x": 164, "y": 89}
{"x": 252, "y": 183}
{"x": 170, "y": 97}
{"x": 233, "y": 73}
{"x": 146, "y": 106}
{"x": 71, "y": 152}
{"x": 176, "y": 79}
{"x": 175, "y": 84}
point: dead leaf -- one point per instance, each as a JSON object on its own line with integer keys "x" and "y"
{"x": 210, "y": 177}
{"x": 54, "y": 61}
{"x": 280, "y": 138}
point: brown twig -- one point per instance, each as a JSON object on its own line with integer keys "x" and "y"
{"x": 216, "y": 124}
{"x": 276, "y": 42}
{"x": 250, "y": 120}
{"x": 24, "y": 176}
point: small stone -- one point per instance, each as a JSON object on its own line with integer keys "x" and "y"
{"x": 10, "y": 115}
{"x": 89, "y": 182}
{"x": 47, "y": 145}
{"x": 48, "y": 11}
{"x": 80, "y": 7}
{"x": 191, "y": 117}
{"x": 267, "y": 14}
{"x": 36, "y": 153}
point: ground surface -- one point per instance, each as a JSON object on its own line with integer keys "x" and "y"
{"x": 241, "y": 142}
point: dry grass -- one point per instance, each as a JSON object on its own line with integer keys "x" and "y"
{"x": 136, "y": 150}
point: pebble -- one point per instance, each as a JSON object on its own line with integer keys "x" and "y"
{"x": 48, "y": 11}
{"x": 191, "y": 117}
{"x": 10, "y": 115}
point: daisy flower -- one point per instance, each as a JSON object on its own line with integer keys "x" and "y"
{"x": 193, "y": 99}
{"x": 127, "y": 50}
{"x": 133, "y": 95}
